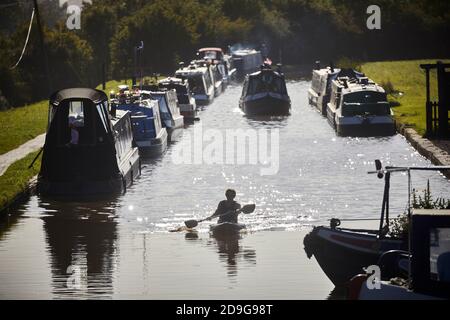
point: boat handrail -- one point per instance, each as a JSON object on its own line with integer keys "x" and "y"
{"x": 405, "y": 169}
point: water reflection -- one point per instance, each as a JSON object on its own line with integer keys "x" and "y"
{"x": 267, "y": 122}
{"x": 81, "y": 239}
{"x": 230, "y": 252}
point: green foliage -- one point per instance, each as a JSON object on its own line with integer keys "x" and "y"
{"x": 299, "y": 31}
{"x": 427, "y": 202}
{"x": 399, "y": 226}
{"x": 22, "y": 124}
{"x": 408, "y": 83}
{"x": 15, "y": 180}
{"x": 347, "y": 63}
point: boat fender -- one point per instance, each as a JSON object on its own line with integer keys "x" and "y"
{"x": 310, "y": 244}
{"x": 355, "y": 286}
{"x": 124, "y": 183}
{"x": 131, "y": 172}
{"x": 334, "y": 222}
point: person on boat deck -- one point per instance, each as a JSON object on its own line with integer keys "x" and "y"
{"x": 228, "y": 205}
{"x": 74, "y": 134}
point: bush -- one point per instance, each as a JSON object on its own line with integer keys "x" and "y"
{"x": 399, "y": 226}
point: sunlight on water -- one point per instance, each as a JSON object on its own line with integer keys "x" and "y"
{"x": 124, "y": 244}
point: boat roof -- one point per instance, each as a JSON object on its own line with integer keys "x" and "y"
{"x": 357, "y": 85}
{"x": 172, "y": 80}
{"x": 265, "y": 70}
{"x": 210, "y": 49}
{"x": 192, "y": 70}
{"x": 244, "y": 52}
{"x": 94, "y": 95}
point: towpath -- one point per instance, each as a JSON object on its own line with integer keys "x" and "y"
{"x": 12, "y": 156}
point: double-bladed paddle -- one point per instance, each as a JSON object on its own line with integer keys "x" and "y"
{"x": 248, "y": 208}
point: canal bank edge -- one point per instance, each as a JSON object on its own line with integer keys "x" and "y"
{"x": 19, "y": 198}
{"x": 425, "y": 147}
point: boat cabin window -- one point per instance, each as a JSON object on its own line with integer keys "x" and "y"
{"x": 360, "y": 109}
{"x": 210, "y": 55}
{"x": 79, "y": 122}
{"x": 365, "y": 97}
{"x": 440, "y": 254}
{"x": 163, "y": 107}
{"x": 208, "y": 80}
{"x": 267, "y": 82}
{"x": 196, "y": 84}
{"x": 316, "y": 82}
{"x": 76, "y": 113}
{"x": 222, "y": 70}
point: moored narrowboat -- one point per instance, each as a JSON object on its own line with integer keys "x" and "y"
{"x": 87, "y": 151}
{"x": 320, "y": 91}
{"x": 171, "y": 117}
{"x": 148, "y": 133}
{"x": 426, "y": 262}
{"x": 200, "y": 82}
{"x": 222, "y": 61}
{"x": 265, "y": 93}
{"x": 186, "y": 102}
{"x": 246, "y": 61}
{"x": 359, "y": 107}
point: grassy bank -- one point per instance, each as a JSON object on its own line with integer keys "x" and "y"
{"x": 15, "y": 180}
{"x": 405, "y": 83}
{"x": 22, "y": 124}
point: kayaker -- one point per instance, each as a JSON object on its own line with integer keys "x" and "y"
{"x": 225, "y": 206}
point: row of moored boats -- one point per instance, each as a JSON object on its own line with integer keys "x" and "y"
{"x": 353, "y": 104}
{"x": 94, "y": 144}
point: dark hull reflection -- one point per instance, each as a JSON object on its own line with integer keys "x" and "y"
{"x": 232, "y": 253}
{"x": 81, "y": 240}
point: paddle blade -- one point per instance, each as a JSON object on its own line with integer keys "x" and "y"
{"x": 191, "y": 223}
{"x": 248, "y": 208}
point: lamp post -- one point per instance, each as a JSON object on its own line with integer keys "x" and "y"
{"x": 139, "y": 49}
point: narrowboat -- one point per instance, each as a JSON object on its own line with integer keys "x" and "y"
{"x": 87, "y": 150}
{"x": 200, "y": 82}
{"x": 222, "y": 61}
{"x": 148, "y": 133}
{"x": 265, "y": 93}
{"x": 186, "y": 102}
{"x": 246, "y": 61}
{"x": 171, "y": 118}
{"x": 427, "y": 262}
{"x": 219, "y": 84}
{"x": 359, "y": 107}
{"x": 319, "y": 93}
{"x": 342, "y": 253}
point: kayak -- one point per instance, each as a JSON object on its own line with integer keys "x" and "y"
{"x": 226, "y": 228}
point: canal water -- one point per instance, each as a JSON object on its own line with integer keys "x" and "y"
{"x": 122, "y": 247}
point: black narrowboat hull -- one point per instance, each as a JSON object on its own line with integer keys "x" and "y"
{"x": 81, "y": 188}
{"x": 344, "y": 254}
{"x": 266, "y": 105}
{"x": 362, "y": 130}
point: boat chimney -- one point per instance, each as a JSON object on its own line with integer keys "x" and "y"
{"x": 318, "y": 65}
{"x": 113, "y": 110}
{"x": 279, "y": 65}
{"x": 332, "y": 66}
